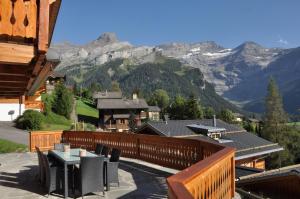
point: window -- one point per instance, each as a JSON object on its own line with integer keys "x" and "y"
{"x": 122, "y": 121}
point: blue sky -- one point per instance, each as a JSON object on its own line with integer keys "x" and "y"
{"x": 272, "y": 23}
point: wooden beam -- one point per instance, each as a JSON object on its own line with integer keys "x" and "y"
{"x": 12, "y": 85}
{"x": 43, "y": 39}
{"x": 41, "y": 78}
{"x": 15, "y": 70}
{"x": 16, "y": 53}
{"x": 12, "y": 79}
{"x": 12, "y": 89}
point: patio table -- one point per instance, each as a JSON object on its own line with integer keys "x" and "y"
{"x": 70, "y": 158}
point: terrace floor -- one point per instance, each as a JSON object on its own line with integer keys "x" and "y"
{"x": 18, "y": 179}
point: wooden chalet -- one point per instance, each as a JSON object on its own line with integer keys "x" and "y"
{"x": 115, "y": 111}
{"x": 26, "y": 29}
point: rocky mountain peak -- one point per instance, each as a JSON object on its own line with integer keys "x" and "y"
{"x": 108, "y": 37}
{"x": 249, "y": 45}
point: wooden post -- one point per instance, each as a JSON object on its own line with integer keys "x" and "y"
{"x": 43, "y": 39}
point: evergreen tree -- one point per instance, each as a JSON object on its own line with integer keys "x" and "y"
{"x": 209, "y": 112}
{"x": 160, "y": 98}
{"x": 275, "y": 117}
{"x": 193, "y": 109}
{"x": 226, "y": 115}
{"x": 63, "y": 101}
{"x": 275, "y": 128}
{"x": 47, "y": 104}
{"x": 115, "y": 86}
{"x": 177, "y": 108}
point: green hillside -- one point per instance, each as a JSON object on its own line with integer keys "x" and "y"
{"x": 167, "y": 74}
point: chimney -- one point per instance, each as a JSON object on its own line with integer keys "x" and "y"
{"x": 214, "y": 121}
{"x": 134, "y": 96}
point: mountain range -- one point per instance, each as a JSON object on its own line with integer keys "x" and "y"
{"x": 239, "y": 74}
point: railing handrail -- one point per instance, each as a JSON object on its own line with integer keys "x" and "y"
{"x": 177, "y": 182}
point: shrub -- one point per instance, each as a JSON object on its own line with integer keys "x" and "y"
{"x": 30, "y": 120}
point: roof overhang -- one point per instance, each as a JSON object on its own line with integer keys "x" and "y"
{"x": 258, "y": 153}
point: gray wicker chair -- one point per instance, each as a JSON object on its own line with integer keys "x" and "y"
{"x": 41, "y": 173}
{"x": 89, "y": 177}
{"x": 105, "y": 151}
{"x": 99, "y": 148}
{"x": 53, "y": 176}
{"x": 112, "y": 167}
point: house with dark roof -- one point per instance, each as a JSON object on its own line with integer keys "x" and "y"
{"x": 115, "y": 111}
{"x": 53, "y": 79}
{"x": 154, "y": 113}
{"x": 251, "y": 150}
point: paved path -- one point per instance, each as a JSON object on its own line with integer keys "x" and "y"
{"x": 9, "y": 132}
{"x": 18, "y": 179}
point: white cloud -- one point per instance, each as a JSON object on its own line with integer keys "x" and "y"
{"x": 282, "y": 41}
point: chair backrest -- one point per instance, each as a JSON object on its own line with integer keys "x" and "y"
{"x": 115, "y": 155}
{"x": 105, "y": 151}
{"x": 91, "y": 169}
{"x": 98, "y": 149}
{"x": 41, "y": 165}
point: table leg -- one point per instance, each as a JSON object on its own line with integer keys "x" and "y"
{"x": 106, "y": 176}
{"x": 66, "y": 180}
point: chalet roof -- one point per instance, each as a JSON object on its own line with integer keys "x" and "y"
{"x": 153, "y": 109}
{"x": 283, "y": 171}
{"x": 179, "y": 127}
{"x": 107, "y": 95}
{"x": 241, "y": 171}
{"x": 247, "y": 144}
{"x": 121, "y": 104}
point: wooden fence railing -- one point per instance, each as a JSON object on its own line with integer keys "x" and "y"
{"x": 175, "y": 153}
{"x": 44, "y": 139}
{"x": 208, "y": 168}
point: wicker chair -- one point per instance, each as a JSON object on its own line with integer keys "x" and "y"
{"x": 105, "y": 151}
{"x": 53, "y": 176}
{"x": 112, "y": 167}
{"x": 99, "y": 148}
{"x": 41, "y": 174}
{"x": 89, "y": 177}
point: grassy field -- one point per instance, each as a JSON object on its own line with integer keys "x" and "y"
{"x": 86, "y": 108}
{"x": 56, "y": 122}
{"x": 8, "y": 147}
{"x": 294, "y": 123}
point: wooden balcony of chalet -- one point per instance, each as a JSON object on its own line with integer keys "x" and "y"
{"x": 207, "y": 169}
{"x": 26, "y": 28}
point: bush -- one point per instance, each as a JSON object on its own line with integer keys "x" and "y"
{"x": 30, "y": 120}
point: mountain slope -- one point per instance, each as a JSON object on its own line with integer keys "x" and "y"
{"x": 167, "y": 74}
{"x": 240, "y": 74}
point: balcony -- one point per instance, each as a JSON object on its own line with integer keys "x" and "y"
{"x": 207, "y": 168}
{"x": 26, "y": 28}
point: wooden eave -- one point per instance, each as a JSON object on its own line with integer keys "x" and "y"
{"x": 23, "y": 63}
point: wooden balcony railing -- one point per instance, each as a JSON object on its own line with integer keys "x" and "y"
{"x": 208, "y": 168}
{"x": 44, "y": 139}
{"x": 18, "y": 18}
{"x": 34, "y": 105}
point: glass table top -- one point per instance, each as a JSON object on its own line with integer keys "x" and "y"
{"x": 71, "y": 156}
